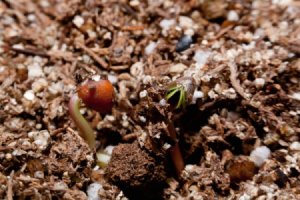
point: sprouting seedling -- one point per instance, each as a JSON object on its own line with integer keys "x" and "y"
{"x": 183, "y": 89}
{"x": 97, "y": 95}
{"x": 177, "y": 90}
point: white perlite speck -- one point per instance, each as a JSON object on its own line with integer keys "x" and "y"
{"x": 112, "y": 78}
{"x": 166, "y": 146}
{"x": 295, "y": 146}
{"x": 78, "y": 21}
{"x": 162, "y": 102}
{"x": 137, "y": 69}
{"x": 109, "y": 149}
{"x": 96, "y": 77}
{"x": 40, "y": 138}
{"x": 29, "y": 95}
{"x": 282, "y": 2}
{"x": 259, "y": 82}
{"x": 150, "y": 47}
{"x": 165, "y": 24}
{"x": 260, "y": 155}
{"x": 177, "y": 68}
{"x": 245, "y": 197}
{"x": 232, "y": 16}
{"x": 296, "y": 96}
{"x": 92, "y": 191}
{"x": 60, "y": 186}
{"x": 39, "y": 85}
{"x": 143, "y": 94}
{"x": 201, "y": 58}
{"x": 142, "y": 119}
{"x": 229, "y": 93}
{"x": 39, "y": 174}
{"x": 185, "y": 22}
{"x": 35, "y": 70}
{"x": 197, "y": 95}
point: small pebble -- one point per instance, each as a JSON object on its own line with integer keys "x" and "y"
{"x": 39, "y": 85}
{"x": 29, "y": 95}
{"x": 112, "y": 78}
{"x": 96, "y": 77}
{"x": 232, "y": 16}
{"x": 184, "y": 43}
{"x": 185, "y": 22}
{"x": 18, "y": 152}
{"x": 150, "y": 47}
{"x": 134, "y": 3}
{"x": 201, "y": 58}
{"x": 60, "y": 186}
{"x": 296, "y": 96}
{"x": 295, "y": 146}
{"x": 162, "y": 102}
{"x": 178, "y": 68}
{"x": 78, "y": 21}
{"x": 137, "y": 69}
{"x": 197, "y": 95}
{"x": 260, "y": 155}
{"x": 39, "y": 174}
{"x": 165, "y": 24}
{"x": 40, "y": 138}
{"x": 109, "y": 149}
{"x": 259, "y": 82}
{"x": 102, "y": 159}
{"x": 35, "y": 70}
{"x": 229, "y": 93}
{"x": 166, "y": 146}
{"x": 8, "y": 156}
{"x": 92, "y": 191}
{"x": 142, "y": 119}
{"x": 143, "y": 94}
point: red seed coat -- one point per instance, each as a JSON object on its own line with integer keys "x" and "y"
{"x": 97, "y": 95}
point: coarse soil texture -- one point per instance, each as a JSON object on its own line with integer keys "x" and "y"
{"x": 206, "y": 99}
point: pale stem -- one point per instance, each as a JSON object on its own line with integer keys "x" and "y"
{"x": 85, "y": 129}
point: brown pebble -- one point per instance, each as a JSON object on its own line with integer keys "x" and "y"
{"x": 241, "y": 169}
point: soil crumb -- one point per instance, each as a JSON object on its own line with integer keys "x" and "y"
{"x": 137, "y": 173}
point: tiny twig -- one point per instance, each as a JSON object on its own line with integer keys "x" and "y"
{"x": 130, "y": 137}
{"x": 222, "y": 32}
{"x": 93, "y": 55}
{"x": 28, "y": 51}
{"x": 133, "y": 28}
{"x": 216, "y": 70}
{"x": 10, "y": 186}
{"x": 234, "y": 82}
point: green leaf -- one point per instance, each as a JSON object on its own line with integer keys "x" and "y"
{"x": 172, "y": 92}
{"x": 182, "y": 95}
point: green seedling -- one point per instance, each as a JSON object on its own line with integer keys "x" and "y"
{"x": 177, "y": 91}
{"x": 182, "y": 89}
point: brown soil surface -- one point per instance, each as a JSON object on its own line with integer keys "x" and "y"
{"x": 234, "y": 134}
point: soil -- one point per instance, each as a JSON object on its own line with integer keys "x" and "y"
{"x": 237, "y": 129}
{"x": 141, "y": 176}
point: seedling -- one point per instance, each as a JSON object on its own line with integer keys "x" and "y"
{"x": 183, "y": 89}
{"x": 174, "y": 91}
{"x": 97, "y": 95}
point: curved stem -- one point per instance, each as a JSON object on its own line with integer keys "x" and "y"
{"x": 85, "y": 129}
{"x": 175, "y": 151}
